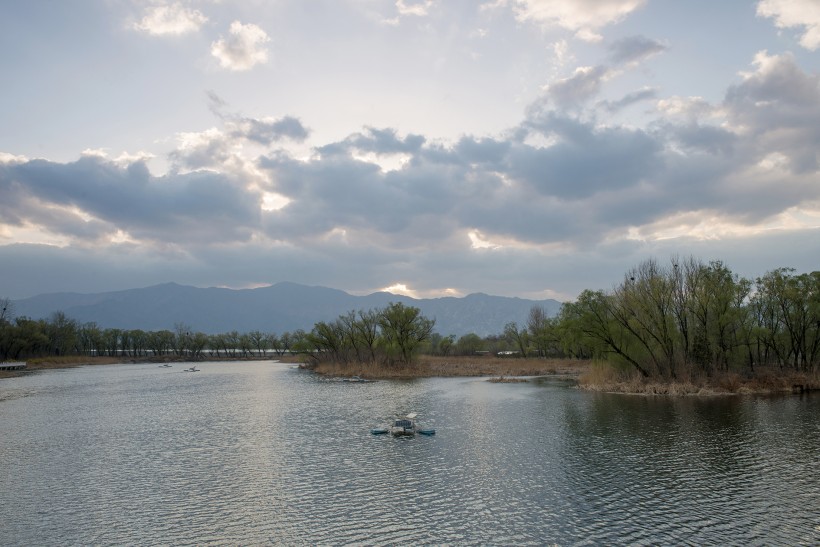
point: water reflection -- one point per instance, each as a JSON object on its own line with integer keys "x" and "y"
{"x": 261, "y": 453}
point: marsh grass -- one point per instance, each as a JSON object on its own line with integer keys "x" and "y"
{"x": 67, "y": 361}
{"x": 606, "y": 377}
{"x": 429, "y": 366}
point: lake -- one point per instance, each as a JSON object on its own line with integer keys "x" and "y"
{"x": 262, "y": 453}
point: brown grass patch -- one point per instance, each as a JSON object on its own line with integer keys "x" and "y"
{"x": 429, "y": 366}
{"x": 608, "y": 378}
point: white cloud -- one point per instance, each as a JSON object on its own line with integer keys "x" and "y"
{"x": 400, "y": 288}
{"x": 171, "y": 19}
{"x": 584, "y": 17}
{"x": 778, "y": 106}
{"x": 5, "y": 157}
{"x": 561, "y": 53}
{"x": 243, "y": 49}
{"x": 588, "y": 35}
{"x": 689, "y": 107}
{"x": 804, "y": 14}
{"x": 414, "y": 7}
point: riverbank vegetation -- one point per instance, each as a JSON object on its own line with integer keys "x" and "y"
{"x": 697, "y": 324}
{"x": 685, "y": 327}
{"x": 426, "y": 366}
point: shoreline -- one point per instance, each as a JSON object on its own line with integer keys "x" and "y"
{"x": 448, "y": 367}
{"x": 590, "y": 376}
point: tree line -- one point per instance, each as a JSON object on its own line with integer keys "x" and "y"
{"x": 25, "y": 338}
{"x": 661, "y": 320}
{"x": 664, "y": 321}
{"x": 390, "y": 335}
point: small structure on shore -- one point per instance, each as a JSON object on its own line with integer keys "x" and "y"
{"x": 15, "y": 365}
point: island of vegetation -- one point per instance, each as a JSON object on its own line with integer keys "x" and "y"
{"x": 688, "y": 327}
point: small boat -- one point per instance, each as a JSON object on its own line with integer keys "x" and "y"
{"x": 165, "y": 366}
{"x": 192, "y": 369}
{"x": 403, "y": 427}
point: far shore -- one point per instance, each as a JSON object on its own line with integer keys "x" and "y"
{"x": 589, "y": 375}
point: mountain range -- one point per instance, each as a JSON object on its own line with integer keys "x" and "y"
{"x": 276, "y": 308}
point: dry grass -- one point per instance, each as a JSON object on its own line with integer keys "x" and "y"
{"x": 430, "y": 366}
{"x": 69, "y": 361}
{"x": 606, "y": 377}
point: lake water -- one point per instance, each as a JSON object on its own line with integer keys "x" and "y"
{"x": 262, "y": 453}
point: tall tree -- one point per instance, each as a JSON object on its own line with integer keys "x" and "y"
{"x": 404, "y": 328}
{"x": 519, "y": 338}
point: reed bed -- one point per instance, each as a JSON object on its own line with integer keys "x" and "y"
{"x": 605, "y": 377}
{"x": 430, "y": 366}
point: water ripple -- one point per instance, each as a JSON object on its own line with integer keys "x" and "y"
{"x": 262, "y": 454}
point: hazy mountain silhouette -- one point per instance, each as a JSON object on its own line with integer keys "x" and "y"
{"x": 276, "y": 308}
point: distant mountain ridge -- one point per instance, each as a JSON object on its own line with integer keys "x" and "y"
{"x": 276, "y": 308}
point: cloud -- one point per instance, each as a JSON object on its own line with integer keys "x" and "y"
{"x": 629, "y": 99}
{"x": 92, "y": 200}
{"x": 403, "y": 9}
{"x": 689, "y": 107}
{"x": 634, "y": 49}
{"x": 585, "y": 160}
{"x": 170, "y": 19}
{"x": 585, "y": 83}
{"x": 419, "y": 8}
{"x": 267, "y": 131}
{"x": 380, "y": 141}
{"x": 804, "y": 14}
{"x": 243, "y": 49}
{"x": 777, "y": 108}
{"x": 557, "y": 179}
{"x": 584, "y": 17}
{"x": 566, "y": 190}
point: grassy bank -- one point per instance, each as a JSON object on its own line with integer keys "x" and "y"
{"x": 70, "y": 361}
{"x": 433, "y": 366}
{"x": 591, "y": 376}
{"x": 607, "y": 378}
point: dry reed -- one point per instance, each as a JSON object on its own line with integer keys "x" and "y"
{"x": 605, "y": 377}
{"x": 430, "y": 366}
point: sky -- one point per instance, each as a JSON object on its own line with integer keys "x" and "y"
{"x": 527, "y": 148}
